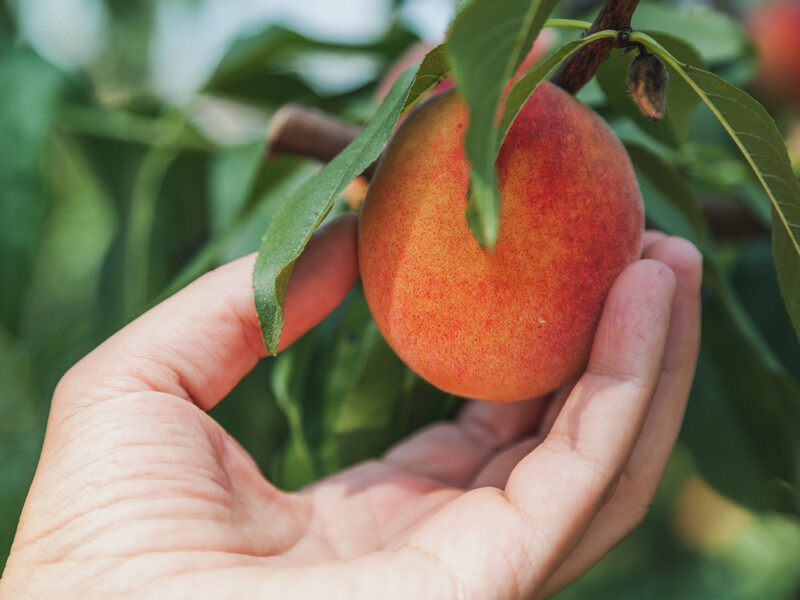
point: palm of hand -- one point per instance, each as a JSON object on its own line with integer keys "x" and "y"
{"x": 140, "y": 493}
{"x": 174, "y": 497}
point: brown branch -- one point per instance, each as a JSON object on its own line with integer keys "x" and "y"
{"x": 303, "y": 131}
{"x": 579, "y": 68}
{"x": 297, "y": 129}
{"x": 300, "y": 130}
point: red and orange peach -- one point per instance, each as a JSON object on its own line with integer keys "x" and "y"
{"x": 516, "y": 321}
{"x": 774, "y": 28}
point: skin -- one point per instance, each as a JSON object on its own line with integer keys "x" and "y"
{"x": 139, "y": 494}
{"x": 773, "y": 28}
{"x": 572, "y": 219}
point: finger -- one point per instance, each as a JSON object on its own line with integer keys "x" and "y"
{"x": 452, "y": 453}
{"x": 645, "y": 468}
{"x": 457, "y": 453}
{"x": 662, "y": 426}
{"x": 522, "y": 535}
{"x": 200, "y": 342}
{"x": 651, "y": 236}
{"x": 496, "y": 471}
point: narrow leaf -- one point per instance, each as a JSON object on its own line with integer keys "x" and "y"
{"x": 668, "y": 181}
{"x": 488, "y": 41}
{"x": 787, "y": 261}
{"x": 755, "y": 133}
{"x": 249, "y": 59}
{"x": 303, "y": 211}
{"x": 433, "y": 70}
{"x": 746, "y": 449}
{"x": 526, "y": 85}
{"x": 289, "y": 380}
{"x": 718, "y": 36}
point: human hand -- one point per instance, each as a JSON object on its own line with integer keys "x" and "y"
{"x": 139, "y": 493}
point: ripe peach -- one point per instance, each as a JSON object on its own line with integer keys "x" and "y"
{"x": 774, "y": 29}
{"x": 517, "y": 321}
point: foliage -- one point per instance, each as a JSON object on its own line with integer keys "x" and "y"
{"x": 113, "y": 197}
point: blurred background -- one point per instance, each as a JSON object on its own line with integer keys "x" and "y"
{"x": 132, "y": 144}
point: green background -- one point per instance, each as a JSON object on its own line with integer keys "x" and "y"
{"x": 127, "y": 169}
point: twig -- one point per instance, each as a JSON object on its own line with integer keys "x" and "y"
{"x": 300, "y": 130}
{"x": 126, "y": 126}
{"x": 579, "y": 68}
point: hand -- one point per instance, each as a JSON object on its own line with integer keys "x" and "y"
{"x": 139, "y": 493}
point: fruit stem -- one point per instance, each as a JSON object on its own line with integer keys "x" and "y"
{"x": 303, "y": 131}
{"x": 579, "y": 68}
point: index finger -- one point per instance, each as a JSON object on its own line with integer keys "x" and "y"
{"x": 200, "y": 342}
{"x": 564, "y": 482}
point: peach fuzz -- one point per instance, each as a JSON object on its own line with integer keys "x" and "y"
{"x": 516, "y": 322}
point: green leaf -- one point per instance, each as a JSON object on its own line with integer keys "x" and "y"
{"x": 275, "y": 180}
{"x": 371, "y": 388}
{"x": 488, "y": 41}
{"x": 526, "y": 85}
{"x": 251, "y": 64}
{"x": 433, "y": 70}
{"x": 742, "y": 419}
{"x": 755, "y": 133}
{"x": 673, "y": 128}
{"x": 723, "y": 171}
{"x": 346, "y": 395}
{"x": 669, "y": 182}
{"x": 19, "y": 451}
{"x": 232, "y": 176}
{"x": 765, "y": 357}
{"x": 787, "y": 259}
{"x": 717, "y": 36}
{"x": 31, "y": 90}
{"x": 289, "y": 380}
{"x": 303, "y": 211}
{"x": 762, "y": 361}
{"x": 6, "y": 29}
{"x": 141, "y": 221}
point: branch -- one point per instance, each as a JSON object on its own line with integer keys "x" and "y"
{"x": 579, "y": 68}
{"x": 300, "y": 130}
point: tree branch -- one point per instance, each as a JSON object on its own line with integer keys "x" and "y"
{"x": 579, "y": 68}
{"x": 300, "y": 130}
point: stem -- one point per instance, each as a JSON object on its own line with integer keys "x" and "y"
{"x": 568, "y": 23}
{"x": 581, "y": 66}
{"x": 303, "y": 131}
{"x": 123, "y": 125}
{"x": 140, "y": 227}
{"x": 144, "y": 198}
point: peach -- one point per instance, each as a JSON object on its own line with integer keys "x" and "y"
{"x": 774, "y": 29}
{"x": 517, "y": 321}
